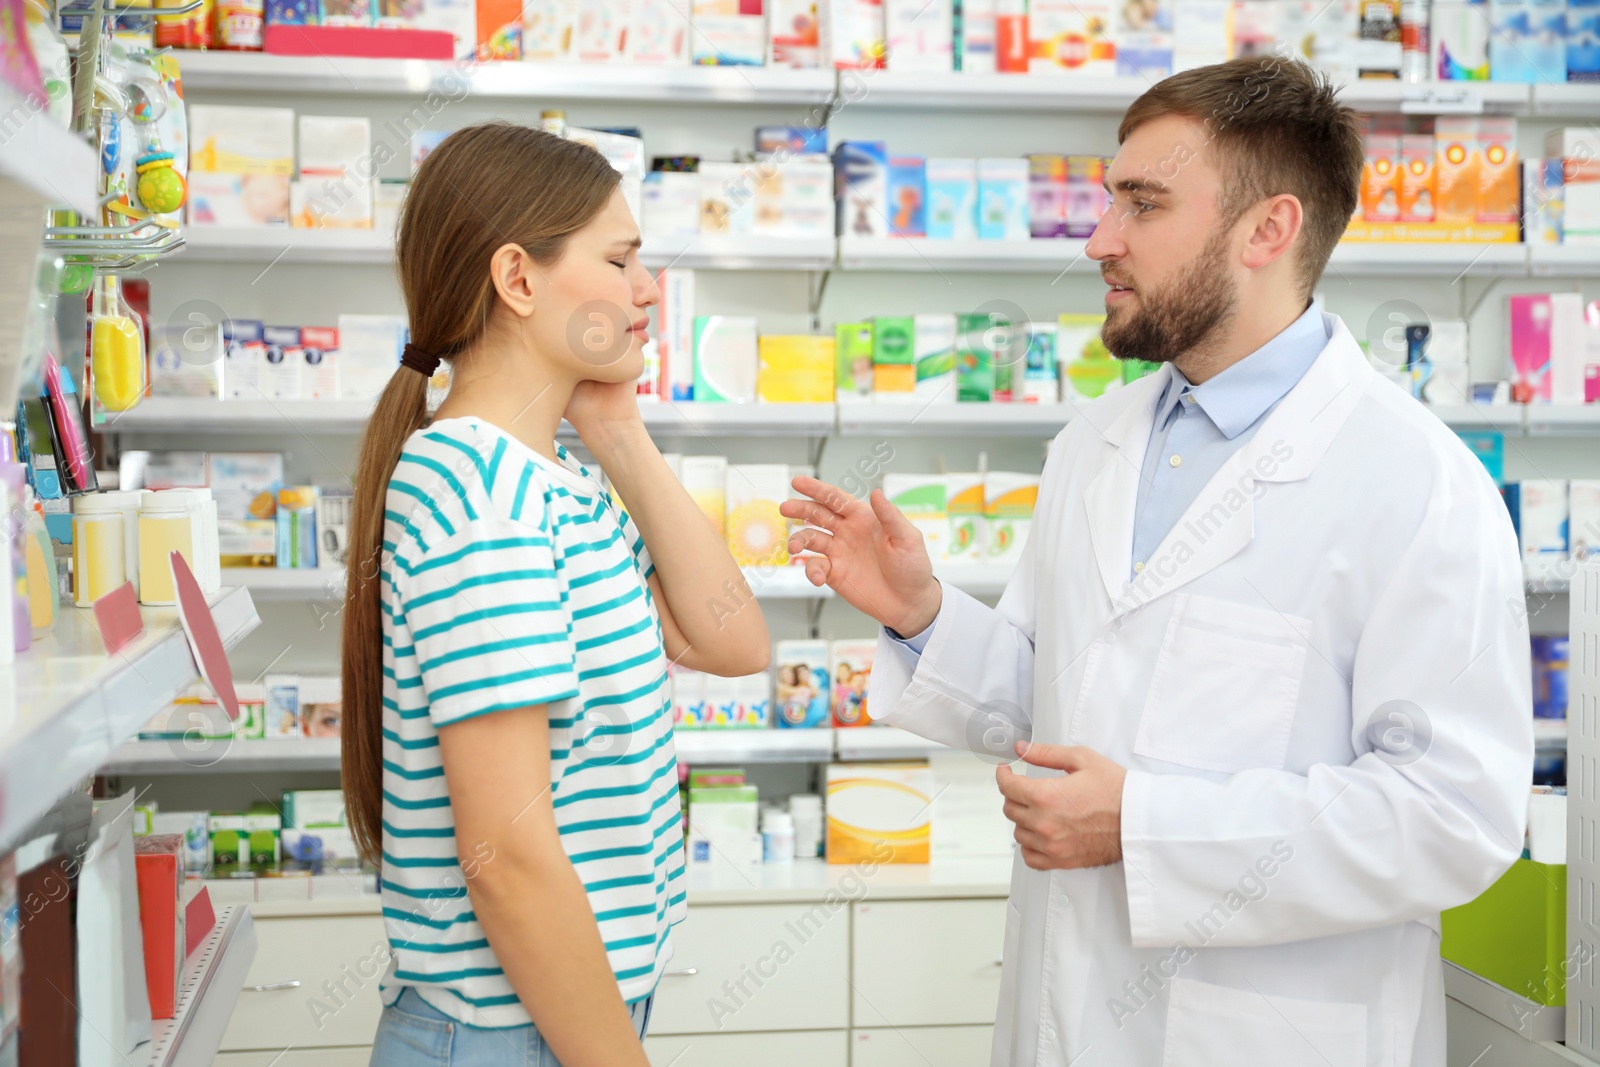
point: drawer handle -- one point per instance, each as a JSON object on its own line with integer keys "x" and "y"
{"x": 681, "y": 972}
{"x": 295, "y": 984}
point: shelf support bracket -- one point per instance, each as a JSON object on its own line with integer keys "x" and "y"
{"x": 818, "y": 286}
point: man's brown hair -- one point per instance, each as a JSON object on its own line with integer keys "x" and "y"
{"x": 1277, "y": 128}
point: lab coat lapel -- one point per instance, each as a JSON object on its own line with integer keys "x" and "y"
{"x": 1110, "y": 498}
{"x": 1220, "y": 522}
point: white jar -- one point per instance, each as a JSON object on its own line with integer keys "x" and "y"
{"x": 805, "y": 811}
{"x": 128, "y": 503}
{"x": 777, "y": 836}
{"x": 99, "y": 547}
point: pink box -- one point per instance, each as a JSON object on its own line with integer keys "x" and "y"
{"x": 1547, "y": 331}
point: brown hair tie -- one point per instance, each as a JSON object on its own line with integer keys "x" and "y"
{"x": 424, "y": 363}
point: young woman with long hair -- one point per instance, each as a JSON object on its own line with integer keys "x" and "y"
{"x": 507, "y": 752}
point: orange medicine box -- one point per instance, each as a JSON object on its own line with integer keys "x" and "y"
{"x": 1499, "y": 177}
{"x": 1380, "y": 178}
{"x": 1416, "y": 178}
{"x": 1455, "y": 169}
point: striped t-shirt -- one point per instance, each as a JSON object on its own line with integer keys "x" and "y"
{"x": 510, "y": 580}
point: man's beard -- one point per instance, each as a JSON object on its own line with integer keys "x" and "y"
{"x": 1179, "y": 317}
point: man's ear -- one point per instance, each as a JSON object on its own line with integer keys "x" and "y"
{"x": 1277, "y": 222}
{"x": 516, "y": 278}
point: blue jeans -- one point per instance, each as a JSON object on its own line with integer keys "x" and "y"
{"x": 413, "y": 1033}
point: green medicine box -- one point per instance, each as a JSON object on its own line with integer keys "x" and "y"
{"x": 1515, "y": 934}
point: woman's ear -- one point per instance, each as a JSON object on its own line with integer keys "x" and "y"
{"x": 516, "y": 278}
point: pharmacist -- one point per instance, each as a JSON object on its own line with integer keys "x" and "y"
{"x": 1266, "y": 637}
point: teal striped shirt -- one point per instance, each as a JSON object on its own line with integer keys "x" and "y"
{"x": 508, "y": 580}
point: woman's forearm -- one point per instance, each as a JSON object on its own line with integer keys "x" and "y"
{"x": 538, "y": 920}
{"x": 706, "y": 593}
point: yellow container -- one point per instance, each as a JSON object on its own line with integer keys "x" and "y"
{"x": 98, "y": 565}
{"x": 163, "y": 528}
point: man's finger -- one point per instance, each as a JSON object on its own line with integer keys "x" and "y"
{"x": 809, "y": 540}
{"x": 810, "y": 513}
{"x": 829, "y": 496}
{"x": 1059, "y": 757}
{"x": 894, "y": 523}
{"x": 817, "y": 570}
{"x": 1013, "y": 786}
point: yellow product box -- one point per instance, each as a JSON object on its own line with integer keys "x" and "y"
{"x": 1009, "y": 499}
{"x": 1416, "y": 178}
{"x": 706, "y": 479}
{"x": 757, "y": 533}
{"x": 969, "y": 531}
{"x": 879, "y": 812}
{"x": 1499, "y": 177}
{"x": 795, "y": 370}
{"x": 1455, "y": 169}
{"x": 1380, "y": 177}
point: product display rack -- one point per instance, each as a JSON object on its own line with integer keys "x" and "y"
{"x": 42, "y": 164}
{"x": 71, "y": 704}
{"x": 212, "y": 977}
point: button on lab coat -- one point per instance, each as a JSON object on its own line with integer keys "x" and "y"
{"x": 1320, "y": 685}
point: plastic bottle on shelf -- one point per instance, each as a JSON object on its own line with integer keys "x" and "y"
{"x": 552, "y": 120}
{"x": 99, "y": 563}
{"x": 777, "y": 836}
{"x": 1414, "y": 42}
{"x": 41, "y": 568}
{"x": 168, "y": 519}
{"x": 805, "y": 812}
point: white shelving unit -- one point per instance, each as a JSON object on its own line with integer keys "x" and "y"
{"x": 1421, "y": 258}
{"x": 212, "y": 977}
{"x": 224, "y": 756}
{"x": 350, "y": 76}
{"x": 69, "y": 704}
{"x": 41, "y": 162}
{"x": 868, "y": 418}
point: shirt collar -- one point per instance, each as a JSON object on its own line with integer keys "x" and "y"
{"x": 1241, "y": 394}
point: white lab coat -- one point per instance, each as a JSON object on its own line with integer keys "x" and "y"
{"x": 1278, "y": 900}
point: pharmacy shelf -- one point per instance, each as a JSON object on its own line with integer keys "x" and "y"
{"x": 338, "y": 76}
{"x": 1549, "y": 420}
{"x": 272, "y": 245}
{"x": 42, "y": 163}
{"x": 1532, "y": 1021}
{"x": 1507, "y": 418}
{"x": 1549, "y": 576}
{"x": 1436, "y": 97}
{"x": 736, "y": 252}
{"x": 223, "y": 756}
{"x": 1435, "y": 259}
{"x": 880, "y": 742}
{"x": 738, "y": 420}
{"x": 67, "y": 705}
{"x": 202, "y": 415}
{"x": 288, "y": 583}
{"x": 932, "y": 254}
{"x": 754, "y": 746}
{"x": 868, "y": 418}
{"x": 1009, "y": 92}
{"x": 1567, "y": 99}
{"x": 213, "y": 976}
{"x": 1569, "y": 261}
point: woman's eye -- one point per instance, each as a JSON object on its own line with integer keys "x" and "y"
{"x": 620, "y": 264}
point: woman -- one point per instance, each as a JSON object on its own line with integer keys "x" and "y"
{"x": 508, "y": 756}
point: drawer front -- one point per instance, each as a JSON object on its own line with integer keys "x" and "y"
{"x": 921, "y": 1046}
{"x": 349, "y": 952}
{"x": 756, "y": 967}
{"x": 927, "y": 962}
{"x": 300, "y": 1057}
{"x": 805, "y": 1048}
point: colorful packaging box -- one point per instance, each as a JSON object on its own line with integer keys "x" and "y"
{"x": 1008, "y": 504}
{"x": 1203, "y": 32}
{"x": 1459, "y": 41}
{"x": 861, "y": 174}
{"x": 894, "y": 365}
{"x": 756, "y": 532}
{"x": 1583, "y": 518}
{"x": 934, "y": 350}
{"x": 705, "y": 478}
{"x": 1543, "y": 519}
{"x": 974, "y": 359}
{"x": 793, "y": 39}
{"x": 550, "y": 31}
{"x": 1416, "y": 178}
{"x": 876, "y": 809}
{"x": 852, "y": 352}
{"x": 1380, "y": 176}
{"x": 804, "y": 690}
{"x": 952, "y": 198}
{"x": 729, "y": 33}
{"x": 908, "y": 196}
{"x": 1541, "y": 324}
{"x": 850, "y": 663}
{"x": 1543, "y": 198}
{"x": 968, "y": 539}
{"x": 1040, "y": 383}
{"x": 1456, "y": 169}
{"x": 602, "y": 32}
{"x": 1003, "y": 199}
{"x": 1047, "y": 195}
{"x": 1086, "y": 194}
{"x": 1499, "y": 175}
{"x": 1013, "y": 45}
{"x": 1583, "y": 40}
{"x": 725, "y": 359}
{"x": 850, "y": 34}
{"x": 795, "y": 369}
{"x": 974, "y": 35}
{"x": 1143, "y": 39}
{"x": 660, "y": 32}
{"x": 921, "y": 499}
{"x": 1071, "y": 37}
{"x": 917, "y": 36}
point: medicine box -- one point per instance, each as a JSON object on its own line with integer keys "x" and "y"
{"x": 186, "y": 359}
{"x": 921, "y": 498}
{"x": 793, "y": 37}
{"x": 861, "y": 175}
{"x": 952, "y": 184}
{"x": 1543, "y": 518}
{"x": 1003, "y": 199}
{"x": 725, "y": 359}
{"x": 803, "y": 689}
{"x": 1583, "y": 518}
{"x": 726, "y": 35}
{"x": 918, "y": 35}
{"x": 908, "y": 196}
{"x": 757, "y": 533}
{"x": 974, "y": 360}
{"x": 894, "y": 370}
{"x": 705, "y": 478}
{"x": 850, "y": 663}
{"x": 933, "y": 346}
{"x": 968, "y": 537}
{"x": 879, "y": 812}
{"x": 1071, "y": 37}
{"x": 1008, "y": 504}
{"x": 852, "y": 353}
{"x": 723, "y": 827}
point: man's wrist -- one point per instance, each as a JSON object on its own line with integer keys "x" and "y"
{"x": 923, "y": 614}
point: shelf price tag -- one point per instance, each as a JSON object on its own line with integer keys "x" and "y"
{"x": 1442, "y": 98}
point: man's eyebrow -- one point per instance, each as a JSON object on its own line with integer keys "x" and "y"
{"x": 1137, "y": 185}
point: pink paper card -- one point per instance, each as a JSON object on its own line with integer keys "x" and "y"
{"x": 198, "y": 919}
{"x": 116, "y": 616}
{"x": 204, "y": 640}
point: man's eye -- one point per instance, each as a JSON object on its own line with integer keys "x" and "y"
{"x": 1141, "y": 205}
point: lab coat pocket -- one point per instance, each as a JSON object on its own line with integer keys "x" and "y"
{"x": 1211, "y": 1024}
{"x": 1225, "y": 685}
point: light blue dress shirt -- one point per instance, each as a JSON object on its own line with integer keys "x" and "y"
{"x": 1197, "y": 427}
